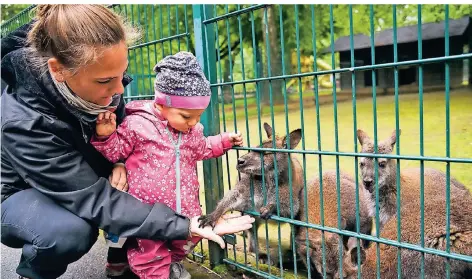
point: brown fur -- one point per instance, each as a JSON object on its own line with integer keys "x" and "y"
{"x": 434, "y": 180}
{"x": 434, "y": 237}
{"x": 434, "y": 222}
{"x": 348, "y": 219}
{"x": 249, "y": 165}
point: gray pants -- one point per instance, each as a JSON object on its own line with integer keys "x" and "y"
{"x": 51, "y": 237}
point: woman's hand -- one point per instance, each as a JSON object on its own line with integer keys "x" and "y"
{"x": 224, "y": 226}
{"x": 118, "y": 178}
{"x": 233, "y": 223}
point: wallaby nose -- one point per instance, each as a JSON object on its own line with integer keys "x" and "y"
{"x": 241, "y": 162}
{"x": 368, "y": 185}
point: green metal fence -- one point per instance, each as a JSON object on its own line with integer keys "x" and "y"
{"x": 249, "y": 35}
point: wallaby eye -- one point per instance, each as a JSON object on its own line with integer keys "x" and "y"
{"x": 382, "y": 164}
{"x": 361, "y": 164}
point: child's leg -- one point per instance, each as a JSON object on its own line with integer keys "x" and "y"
{"x": 150, "y": 259}
{"x": 181, "y": 248}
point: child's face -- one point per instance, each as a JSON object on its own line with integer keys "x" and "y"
{"x": 181, "y": 119}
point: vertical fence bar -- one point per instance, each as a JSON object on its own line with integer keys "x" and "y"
{"x": 287, "y": 129}
{"x": 420, "y": 85}
{"x": 302, "y": 122}
{"x": 243, "y": 72}
{"x": 143, "y": 76}
{"x": 259, "y": 121}
{"x": 259, "y": 114}
{"x": 220, "y": 76}
{"x": 161, "y": 30}
{"x": 230, "y": 61}
{"x": 374, "y": 102}
{"x": 170, "y": 29}
{"x": 221, "y": 93}
{"x": 354, "y": 118}
{"x": 186, "y": 28}
{"x": 154, "y": 30}
{"x": 271, "y": 102}
{"x": 318, "y": 136}
{"x": 177, "y": 23}
{"x": 397, "y": 128}
{"x": 135, "y": 53}
{"x": 150, "y": 66}
{"x": 335, "y": 106}
{"x": 205, "y": 48}
{"x": 448, "y": 142}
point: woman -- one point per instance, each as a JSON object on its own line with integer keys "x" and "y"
{"x": 55, "y": 191}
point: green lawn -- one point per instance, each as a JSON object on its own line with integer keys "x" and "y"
{"x": 434, "y": 126}
{"x": 433, "y": 129}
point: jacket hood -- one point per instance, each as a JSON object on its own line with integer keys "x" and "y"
{"x": 145, "y": 109}
{"x": 28, "y": 82}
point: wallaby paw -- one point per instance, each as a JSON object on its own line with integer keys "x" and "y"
{"x": 266, "y": 211}
{"x": 206, "y": 220}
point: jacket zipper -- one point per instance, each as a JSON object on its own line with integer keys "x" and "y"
{"x": 178, "y": 202}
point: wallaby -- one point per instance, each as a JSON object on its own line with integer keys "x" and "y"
{"x": 348, "y": 220}
{"x": 250, "y": 167}
{"x": 434, "y": 180}
{"x": 434, "y": 237}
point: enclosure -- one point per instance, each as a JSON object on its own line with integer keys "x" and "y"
{"x": 280, "y": 64}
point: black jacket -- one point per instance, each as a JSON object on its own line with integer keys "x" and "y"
{"x": 46, "y": 145}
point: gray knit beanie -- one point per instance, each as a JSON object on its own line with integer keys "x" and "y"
{"x": 181, "y": 83}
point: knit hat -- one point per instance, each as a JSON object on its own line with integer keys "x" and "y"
{"x": 181, "y": 83}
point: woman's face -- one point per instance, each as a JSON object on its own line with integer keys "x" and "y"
{"x": 99, "y": 81}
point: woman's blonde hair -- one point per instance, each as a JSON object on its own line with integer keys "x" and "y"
{"x": 76, "y": 34}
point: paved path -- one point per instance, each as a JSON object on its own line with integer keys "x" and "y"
{"x": 90, "y": 266}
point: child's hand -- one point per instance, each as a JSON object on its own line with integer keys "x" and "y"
{"x": 236, "y": 139}
{"x": 106, "y": 124}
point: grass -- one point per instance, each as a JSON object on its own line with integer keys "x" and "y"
{"x": 251, "y": 102}
{"x": 433, "y": 130}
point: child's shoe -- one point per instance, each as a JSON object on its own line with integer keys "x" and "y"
{"x": 177, "y": 271}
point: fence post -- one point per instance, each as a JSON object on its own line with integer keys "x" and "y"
{"x": 212, "y": 169}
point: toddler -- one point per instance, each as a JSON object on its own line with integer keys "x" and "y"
{"x": 161, "y": 142}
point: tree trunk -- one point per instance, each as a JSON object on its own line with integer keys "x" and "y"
{"x": 271, "y": 30}
{"x": 227, "y": 92}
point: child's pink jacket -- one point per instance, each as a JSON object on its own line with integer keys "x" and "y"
{"x": 143, "y": 140}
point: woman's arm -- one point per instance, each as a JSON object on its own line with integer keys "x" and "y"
{"x": 50, "y": 164}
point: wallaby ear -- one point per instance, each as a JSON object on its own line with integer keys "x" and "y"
{"x": 352, "y": 243}
{"x": 268, "y": 129}
{"x": 362, "y": 137}
{"x": 295, "y": 137}
{"x": 354, "y": 256}
{"x": 393, "y": 138}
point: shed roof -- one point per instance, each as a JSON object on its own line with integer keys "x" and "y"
{"x": 407, "y": 34}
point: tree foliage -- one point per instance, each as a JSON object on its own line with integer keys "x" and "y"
{"x": 242, "y": 41}
{"x": 10, "y": 10}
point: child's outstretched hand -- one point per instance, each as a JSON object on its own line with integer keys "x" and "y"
{"x": 236, "y": 139}
{"x": 106, "y": 124}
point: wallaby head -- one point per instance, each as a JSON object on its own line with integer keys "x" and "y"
{"x": 386, "y": 167}
{"x": 251, "y": 162}
{"x": 315, "y": 252}
{"x": 350, "y": 259}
